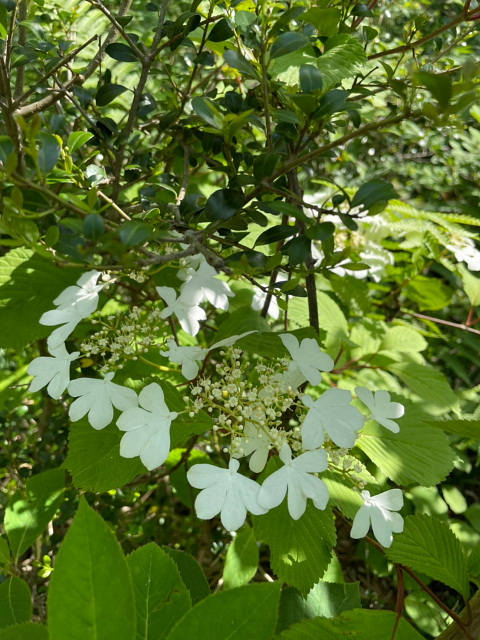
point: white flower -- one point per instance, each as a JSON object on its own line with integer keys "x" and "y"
{"x": 378, "y": 511}
{"x": 226, "y": 492}
{"x": 68, "y": 317}
{"x": 308, "y": 358}
{"x": 465, "y": 251}
{"x": 83, "y": 296}
{"x": 188, "y": 313}
{"x": 381, "y": 408}
{"x": 258, "y": 302}
{"x": 97, "y": 398}
{"x": 332, "y": 413}
{"x": 203, "y": 284}
{"x": 295, "y": 477}
{"x": 54, "y": 372}
{"x": 255, "y": 440}
{"x": 148, "y": 428}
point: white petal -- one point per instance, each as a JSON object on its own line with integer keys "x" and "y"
{"x": 168, "y": 294}
{"x": 156, "y": 450}
{"x": 152, "y": 398}
{"x": 190, "y": 369}
{"x": 248, "y": 491}
{"x": 228, "y": 342}
{"x": 361, "y": 523}
{"x": 366, "y": 396}
{"x": 314, "y": 488}
{"x": 133, "y": 419}
{"x": 313, "y": 434}
{"x": 388, "y": 424}
{"x": 79, "y": 408}
{"x": 122, "y": 397}
{"x": 381, "y": 530}
{"x": 210, "y": 501}
{"x": 259, "y": 459}
{"x": 201, "y": 476}
{"x": 82, "y": 386}
{"x": 101, "y": 412}
{"x": 391, "y": 500}
{"x": 311, "y": 461}
{"x": 233, "y": 512}
{"x": 59, "y": 383}
{"x": 291, "y": 343}
{"x": 311, "y": 373}
{"x": 296, "y": 500}
{"x": 273, "y": 489}
{"x": 133, "y": 442}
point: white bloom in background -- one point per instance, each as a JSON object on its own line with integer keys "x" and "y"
{"x": 226, "y": 492}
{"x": 307, "y": 358}
{"x": 381, "y": 408}
{"x": 83, "y": 296}
{"x": 148, "y": 428}
{"x": 296, "y": 479}
{"x": 188, "y": 313}
{"x": 68, "y": 317}
{"x": 465, "y": 251}
{"x": 379, "y": 512}
{"x": 257, "y": 442}
{"x": 203, "y": 284}
{"x": 258, "y": 301}
{"x": 97, "y": 397}
{"x": 54, "y": 371}
{"x": 333, "y": 413}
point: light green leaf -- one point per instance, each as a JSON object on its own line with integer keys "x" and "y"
{"x": 427, "y": 544}
{"x": 191, "y": 573}
{"x": 90, "y": 593}
{"x": 403, "y": 339}
{"x": 428, "y": 293}
{"x": 426, "y": 382}
{"x": 343, "y": 58}
{"x": 77, "y": 139}
{"x": 332, "y": 320}
{"x": 15, "y": 602}
{"x": 465, "y": 428}
{"x": 94, "y": 458}
{"x": 406, "y": 457}
{"x": 325, "y": 20}
{"x": 342, "y": 494}
{"x": 25, "y": 631}
{"x": 300, "y": 549}
{"x": 362, "y": 624}
{"x": 236, "y": 614}
{"x": 26, "y": 517}
{"x": 471, "y": 284}
{"x": 207, "y": 110}
{"x": 241, "y": 563}
{"x": 161, "y": 598}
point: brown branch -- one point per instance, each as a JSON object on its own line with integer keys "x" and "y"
{"x": 455, "y": 325}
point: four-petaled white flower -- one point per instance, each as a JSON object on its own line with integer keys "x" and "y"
{"x": 83, "y": 296}
{"x": 295, "y": 477}
{"x": 307, "y": 358}
{"x": 226, "y": 492}
{"x": 68, "y": 317}
{"x": 97, "y": 397}
{"x": 381, "y": 408}
{"x": 147, "y": 427}
{"x": 332, "y": 413}
{"x": 203, "y": 284}
{"x": 54, "y": 371}
{"x": 257, "y": 442}
{"x": 188, "y": 313}
{"x": 465, "y": 251}
{"x": 379, "y": 512}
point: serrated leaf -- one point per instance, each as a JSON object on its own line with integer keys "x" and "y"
{"x": 191, "y": 573}
{"x": 429, "y": 293}
{"x": 236, "y": 614}
{"x": 343, "y": 58}
{"x": 287, "y": 43}
{"x": 121, "y": 52}
{"x": 224, "y": 204}
{"x": 297, "y": 557}
{"x": 241, "y": 562}
{"x": 325, "y": 20}
{"x": 94, "y": 458}
{"x": 427, "y": 544}
{"x": 77, "y": 139}
{"x": 27, "y": 516}
{"x": 25, "y": 631}
{"x": 161, "y": 598}
{"x": 108, "y": 92}
{"x": 332, "y": 319}
{"x": 342, "y": 494}
{"x": 426, "y": 382}
{"x": 464, "y": 428}
{"x": 90, "y": 593}
{"x": 403, "y": 339}
{"x": 15, "y": 602}
{"x": 415, "y": 443}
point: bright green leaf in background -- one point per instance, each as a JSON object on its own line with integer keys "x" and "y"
{"x": 241, "y": 563}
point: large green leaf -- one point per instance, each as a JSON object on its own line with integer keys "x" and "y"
{"x": 15, "y": 602}
{"x": 28, "y": 286}
{"x": 237, "y": 61}
{"x": 161, "y": 598}
{"x": 25, "y": 631}
{"x": 427, "y": 544}
{"x": 287, "y": 43}
{"x": 332, "y": 320}
{"x": 300, "y": 549}
{"x": 406, "y": 457}
{"x": 90, "y": 593}
{"x": 94, "y": 458}
{"x": 223, "y": 204}
{"x": 241, "y": 563}
{"x": 403, "y": 339}
{"x": 27, "y": 516}
{"x": 236, "y": 614}
{"x": 361, "y": 624}
{"x": 343, "y": 58}
{"x": 191, "y": 573}
{"x": 464, "y": 428}
{"x": 428, "y": 383}
{"x": 374, "y": 196}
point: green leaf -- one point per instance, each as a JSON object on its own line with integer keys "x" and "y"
{"x": 236, "y": 614}
{"x": 342, "y": 494}
{"x": 93, "y": 226}
{"x": 15, "y": 602}
{"x": 403, "y": 339}
{"x": 241, "y": 562}
{"x": 361, "y": 624}
{"x": 324, "y": 20}
{"x": 237, "y": 61}
{"x": 298, "y": 249}
{"x": 4, "y": 551}
{"x": 332, "y": 319}
{"x": 429, "y": 293}
{"x": 48, "y": 152}
{"x": 343, "y": 58}
{"x": 276, "y": 233}
{"x": 134, "y": 233}
{"x": 298, "y": 557}
{"x": 191, "y": 573}
{"x": 332, "y": 102}
{"x": 94, "y": 458}
{"x": 26, "y": 631}
{"x": 108, "y": 92}
{"x": 464, "y": 428}
{"x": 426, "y": 382}
{"x": 414, "y": 443}
{"x": 90, "y": 593}
{"x": 121, "y": 52}
{"x": 208, "y": 111}
{"x": 6, "y": 148}
{"x": 287, "y": 43}
{"x": 26, "y": 517}
{"x": 310, "y": 78}
{"x": 28, "y": 286}
{"x": 471, "y": 285}
{"x": 265, "y": 164}
{"x": 224, "y": 204}
{"x": 220, "y": 32}
{"x": 161, "y": 598}
{"x": 374, "y": 196}
{"x": 427, "y": 544}
{"x": 77, "y": 139}
{"x": 439, "y": 85}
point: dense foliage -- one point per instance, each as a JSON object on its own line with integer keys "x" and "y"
{"x": 238, "y": 296}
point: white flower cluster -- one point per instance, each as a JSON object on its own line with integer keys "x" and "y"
{"x": 260, "y": 409}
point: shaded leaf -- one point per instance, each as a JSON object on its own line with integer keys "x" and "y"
{"x": 287, "y": 43}
{"x": 108, "y": 92}
{"x": 223, "y": 204}
{"x": 15, "y": 602}
{"x": 121, "y": 52}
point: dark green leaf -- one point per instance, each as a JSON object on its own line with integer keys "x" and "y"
{"x": 93, "y": 226}
{"x": 274, "y": 234}
{"x": 108, "y": 92}
{"x": 374, "y": 196}
{"x": 237, "y": 61}
{"x": 287, "y": 43}
{"x": 207, "y": 110}
{"x": 439, "y": 85}
{"x": 121, "y": 52}
{"x": 6, "y": 148}
{"x": 25, "y": 631}
{"x": 332, "y": 102}
{"x": 223, "y": 204}
{"x": 48, "y": 152}
{"x": 15, "y": 602}
{"x": 220, "y": 32}
{"x": 310, "y": 78}
{"x": 361, "y": 10}
{"x": 298, "y": 249}
{"x": 191, "y": 573}
{"x": 134, "y": 233}
{"x": 325, "y": 20}
{"x": 265, "y": 164}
